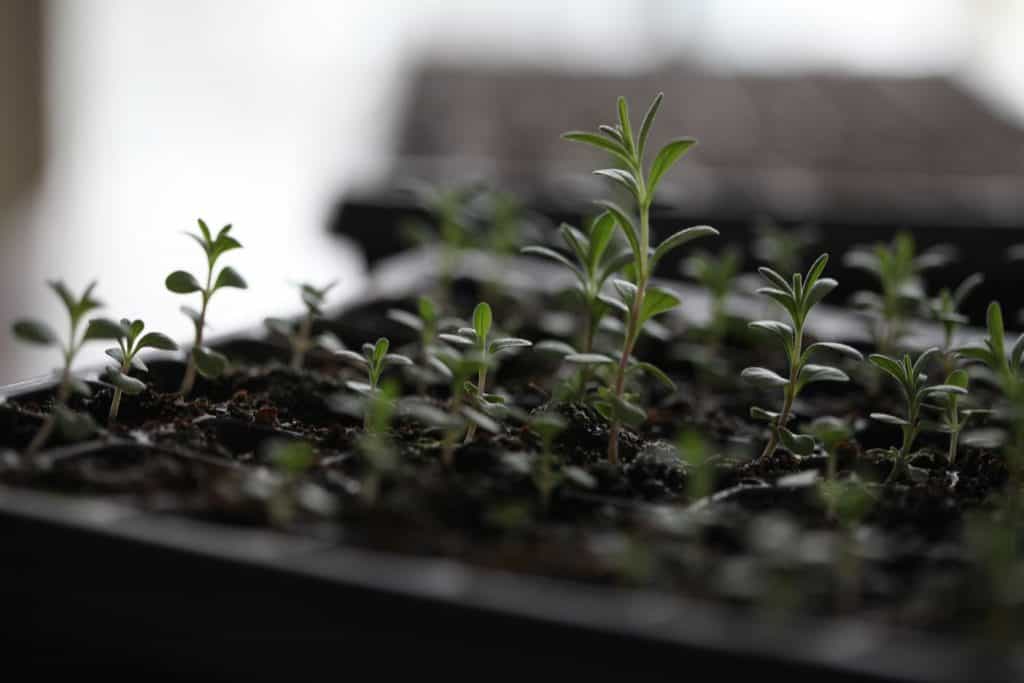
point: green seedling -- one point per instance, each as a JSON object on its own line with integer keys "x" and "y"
{"x": 374, "y": 359}
{"x": 638, "y": 300}
{"x": 547, "y": 426}
{"x": 782, "y": 248}
{"x": 913, "y": 383}
{"x": 40, "y": 334}
{"x": 992, "y": 352}
{"x": 952, "y": 417}
{"x": 287, "y": 488}
{"x": 945, "y": 310}
{"x": 898, "y": 268}
{"x": 426, "y": 322}
{"x": 202, "y": 359}
{"x": 832, "y": 432}
{"x": 376, "y": 443}
{"x": 591, "y": 263}
{"x": 459, "y": 367}
{"x": 300, "y": 338}
{"x": 797, "y": 297}
{"x": 130, "y": 341}
{"x": 484, "y": 349}
{"x": 717, "y": 274}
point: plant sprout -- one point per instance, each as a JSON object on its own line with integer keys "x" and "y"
{"x": 301, "y": 339}
{"x": 478, "y": 339}
{"x": 797, "y": 297}
{"x": 913, "y": 382}
{"x": 547, "y": 425}
{"x": 204, "y": 360}
{"x": 716, "y": 273}
{"x": 129, "y": 343}
{"x": 898, "y": 269}
{"x": 591, "y": 264}
{"x": 426, "y": 321}
{"x": 953, "y": 418}
{"x": 39, "y": 333}
{"x": 832, "y": 432}
{"x": 374, "y": 359}
{"x": 376, "y": 444}
{"x": 639, "y": 299}
{"x": 992, "y": 352}
{"x": 459, "y": 367}
{"x": 945, "y": 309}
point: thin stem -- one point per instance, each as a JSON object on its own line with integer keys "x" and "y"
{"x": 620, "y": 375}
{"x": 301, "y": 342}
{"x": 790, "y": 394}
{"x": 190, "y": 370}
{"x": 481, "y": 386}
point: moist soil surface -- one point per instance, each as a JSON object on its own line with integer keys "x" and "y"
{"x": 757, "y": 535}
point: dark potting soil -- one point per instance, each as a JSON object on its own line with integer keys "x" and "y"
{"x": 762, "y": 539}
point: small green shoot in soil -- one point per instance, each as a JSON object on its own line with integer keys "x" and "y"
{"x": 477, "y": 339}
{"x": 300, "y": 338}
{"x": 913, "y": 382}
{"x": 202, "y": 359}
{"x": 374, "y": 359}
{"x": 40, "y": 334}
{"x": 130, "y": 341}
{"x": 953, "y": 417}
{"x": 797, "y": 296}
{"x": 638, "y": 300}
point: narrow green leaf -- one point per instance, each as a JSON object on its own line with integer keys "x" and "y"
{"x": 656, "y": 301}
{"x": 204, "y": 230}
{"x": 601, "y": 233}
{"x": 890, "y": 419}
{"x": 625, "y": 223}
{"x": 648, "y": 121}
{"x": 763, "y": 377}
{"x": 396, "y": 359}
{"x": 623, "y": 178}
{"x": 841, "y": 349}
{"x": 482, "y": 319}
{"x": 818, "y": 291}
{"x": 352, "y": 357}
{"x": 105, "y": 328}
{"x": 821, "y": 373}
{"x": 577, "y": 241}
{"x": 889, "y": 366}
{"x": 157, "y": 340}
{"x": 624, "y": 124}
{"x": 762, "y": 414}
{"x": 125, "y": 383}
{"x": 553, "y": 255}
{"x": 667, "y": 157}
{"x": 680, "y": 238}
{"x": 816, "y": 269}
{"x": 507, "y": 343}
{"x": 594, "y": 140}
{"x": 779, "y": 329}
{"x": 65, "y": 295}
{"x": 34, "y": 332}
{"x": 589, "y": 359}
{"x": 775, "y": 279}
{"x": 555, "y": 346}
{"x": 655, "y": 372}
{"x": 996, "y": 331}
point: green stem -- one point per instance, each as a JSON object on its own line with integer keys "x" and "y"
{"x": 190, "y": 370}
{"x": 481, "y": 387}
{"x": 790, "y": 394}
{"x": 115, "y": 403}
{"x": 301, "y": 342}
{"x": 620, "y": 375}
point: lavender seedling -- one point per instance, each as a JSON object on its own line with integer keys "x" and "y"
{"x": 913, "y": 383}
{"x": 484, "y": 349}
{"x": 898, "y": 269}
{"x": 591, "y": 264}
{"x": 832, "y": 432}
{"x": 638, "y": 300}
{"x": 129, "y": 344}
{"x": 374, "y": 359}
{"x": 202, "y": 359}
{"x": 40, "y": 334}
{"x": 945, "y": 309}
{"x": 952, "y": 417}
{"x": 797, "y": 297}
{"x": 301, "y": 339}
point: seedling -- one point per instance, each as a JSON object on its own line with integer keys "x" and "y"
{"x": 717, "y": 274}
{"x": 898, "y": 269}
{"x": 782, "y": 248}
{"x": 459, "y": 367}
{"x": 592, "y": 264}
{"x": 639, "y": 301}
{"x": 952, "y": 417}
{"x": 945, "y": 309}
{"x": 797, "y": 297}
{"x": 485, "y": 349}
{"x": 204, "y": 360}
{"x": 39, "y": 333}
{"x": 374, "y": 359}
{"x": 832, "y": 433}
{"x": 547, "y": 426}
{"x": 300, "y": 338}
{"x": 287, "y": 488}
{"x": 913, "y": 382}
{"x": 992, "y": 352}
{"x": 129, "y": 344}
{"x": 376, "y": 443}
{"x": 425, "y": 322}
